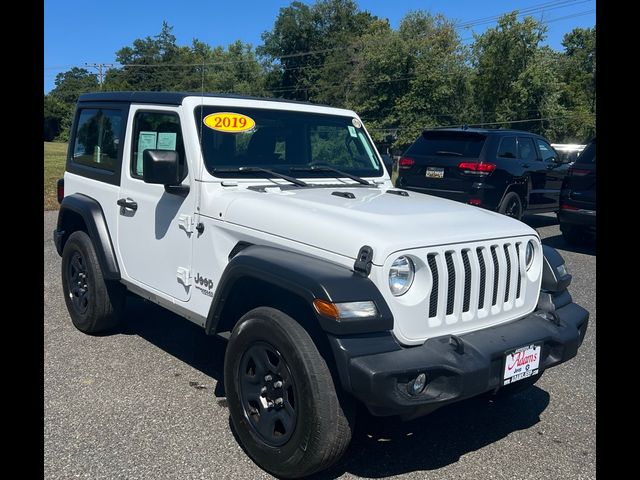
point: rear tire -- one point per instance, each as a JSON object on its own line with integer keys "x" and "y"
{"x": 93, "y": 304}
{"x": 511, "y": 206}
{"x": 283, "y": 403}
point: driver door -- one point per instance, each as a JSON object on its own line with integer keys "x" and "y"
{"x": 155, "y": 237}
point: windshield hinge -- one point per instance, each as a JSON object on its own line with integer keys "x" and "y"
{"x": 186, "y": 222}
{"x": 184, "y": 276}
{"x": 363, "y": 261}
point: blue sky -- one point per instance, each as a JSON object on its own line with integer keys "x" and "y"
{"x": 89, "y": 31}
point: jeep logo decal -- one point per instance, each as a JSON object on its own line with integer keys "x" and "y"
{"x": 205, "y": 282}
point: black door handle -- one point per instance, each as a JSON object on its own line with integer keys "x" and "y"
{"x": 525, "y": 165}
{"x": 127, "y": 203}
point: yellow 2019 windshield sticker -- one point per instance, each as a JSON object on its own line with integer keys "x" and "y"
{"x": 229, "y": 122}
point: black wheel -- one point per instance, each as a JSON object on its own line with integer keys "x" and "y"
{"x": 281, "y": 396}
{"x": 520, "y": 386}
{"x": 93, "y": 304}
{"x": 573, "y": 234}
{"x": 511, "y": 206}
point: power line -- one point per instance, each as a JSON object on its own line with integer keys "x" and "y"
{"x": 540, "y": 119}
{"x": 521, "y": 12}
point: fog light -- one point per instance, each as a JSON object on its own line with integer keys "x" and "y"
{"x": 417, "y": 385}
{"x": 562, "y": 270}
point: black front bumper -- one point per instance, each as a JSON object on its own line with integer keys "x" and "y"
{"x": 456, "y": 368}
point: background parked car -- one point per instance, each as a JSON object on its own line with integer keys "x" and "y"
{"x": 509, "y": 171}
{"x": 568, "y": 152}
{"x": 577, "y": 215}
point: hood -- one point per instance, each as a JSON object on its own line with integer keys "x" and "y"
{"x": 386, "y": 222}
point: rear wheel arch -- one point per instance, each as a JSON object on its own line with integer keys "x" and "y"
{"x": 521, "y": 188}
{"x": 80, "y": 212}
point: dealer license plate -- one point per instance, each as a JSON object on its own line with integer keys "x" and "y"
{"x": 521, "y": 363}
{"x": 435, "y": 172}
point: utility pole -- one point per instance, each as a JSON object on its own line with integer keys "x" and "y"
{"x": 99, "y": 67}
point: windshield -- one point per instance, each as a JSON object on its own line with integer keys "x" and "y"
{"x": 448, "y": 143}
{"x": 284, "y": 141}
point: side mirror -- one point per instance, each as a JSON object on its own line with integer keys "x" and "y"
{"x": 162, "y": 167}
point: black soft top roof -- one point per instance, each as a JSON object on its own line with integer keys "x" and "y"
{"x": 170, "y": 98}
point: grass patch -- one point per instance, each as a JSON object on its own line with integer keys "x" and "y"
{"x": 54, "y": 159}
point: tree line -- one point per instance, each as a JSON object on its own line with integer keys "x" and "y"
{"x": 400, "y": 81}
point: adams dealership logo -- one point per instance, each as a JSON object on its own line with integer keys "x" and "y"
{"x": 204, "y": 284}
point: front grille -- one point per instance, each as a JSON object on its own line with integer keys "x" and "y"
{"x": 483, "y": 277}
{"x": 451, "y": 289}
{"x": 469, "y": 281}
{"x": 496, "y": 269}
{"x": 506, "y": 254}
{"x": 433, "y": 300}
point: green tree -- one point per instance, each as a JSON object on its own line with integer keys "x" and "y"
{"x": 439, "y": 89}
{"x": 330, "y": 29}
{"x": 59, "y": 103}
{"x": 577, "y": 70}
{"x": 56, "y": 119}
{"x": 513, "y": 80}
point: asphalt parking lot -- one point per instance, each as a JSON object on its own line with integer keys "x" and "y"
{"x": 147, "y": 402}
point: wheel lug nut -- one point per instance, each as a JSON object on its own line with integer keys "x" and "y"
{"x": 263, "y": 390}
{"x": 279, "y": 401}
{"x": 268, "y": 378}
{"x": 278, "y": 384}
{"x": 270, "y": 404}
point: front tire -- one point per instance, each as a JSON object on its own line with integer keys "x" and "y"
{"x": 93, "y": 304}
{"x": 511, "y": 206}
{"x": 283, "y": 403}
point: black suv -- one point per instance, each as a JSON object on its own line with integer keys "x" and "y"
{"x": 577, "y": 215}
{"x": 509, "y": 171}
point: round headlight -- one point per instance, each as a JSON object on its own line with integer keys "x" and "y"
{"x": 530, "y": 253}
{"x": 401, "y": 275}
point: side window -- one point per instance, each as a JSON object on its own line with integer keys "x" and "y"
{"x": 527, "y": 149}
{"x": 507, "y": 148}
{"x": 547, "y": 152}
{"x": 156, "y": 131}
{"x": 97, "y": 138}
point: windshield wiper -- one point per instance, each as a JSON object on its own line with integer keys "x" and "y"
{"x": 447, "y": 153}
{"x": 323, "y": 168}
{"x": 293, "y": 180}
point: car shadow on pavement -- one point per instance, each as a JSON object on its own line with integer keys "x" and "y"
{"x": 177, "y": 336}
{"x": 539, "y": 221}
{"x": 380, "y": 447}
{"x": 559, "y": 243}
{"x": 383, "y": 447}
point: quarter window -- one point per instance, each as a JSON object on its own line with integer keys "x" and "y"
{"x": 508, "y": 148}
{"x": 97, "y": 138}
{"x": 156, "y": 131}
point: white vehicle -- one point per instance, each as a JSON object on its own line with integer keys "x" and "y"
{"x": 568, "y": 152}
{"x": 276, "y": 222}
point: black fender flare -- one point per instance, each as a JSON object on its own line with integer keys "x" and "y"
{"x": 93, "y": 216}
{"x": 307, "y": 277}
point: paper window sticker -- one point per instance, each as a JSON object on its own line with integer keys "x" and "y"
{"x": 352, "y": 131}
{"x": 167, "y": 140}
{"x": 146, "y": 141}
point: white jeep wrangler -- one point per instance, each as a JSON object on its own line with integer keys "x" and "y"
{"x": 276, "y": 224}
